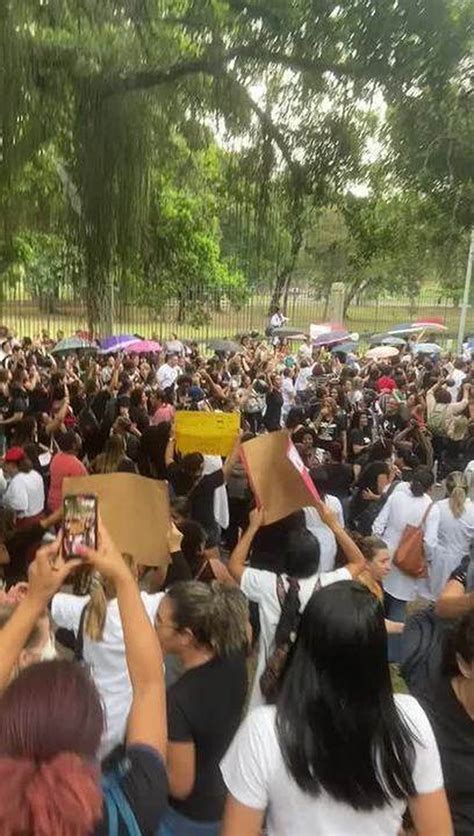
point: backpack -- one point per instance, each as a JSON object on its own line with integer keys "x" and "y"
{"x": 410, "y": 554}
{"x": 117, "y": 804}
{"x": 285, "y": 637}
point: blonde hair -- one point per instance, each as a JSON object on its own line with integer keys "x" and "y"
{"x": 457, "y": 487}
{"x": 216, "y": 614}
{"x": 101, "y": 591}
{"x": 109, "y": 460}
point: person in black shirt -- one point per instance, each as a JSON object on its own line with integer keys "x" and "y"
{"x": 274, "y": 400}
{"x": 205, "y": 626}
{"x": 188, "y": 480}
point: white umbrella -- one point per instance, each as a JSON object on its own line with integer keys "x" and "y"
{"x": 382, "y": 352}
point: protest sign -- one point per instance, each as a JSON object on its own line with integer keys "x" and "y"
{"x": 211, "y": 433}
{"x": 135, "y": 511}
{"x": 277, "y": 475}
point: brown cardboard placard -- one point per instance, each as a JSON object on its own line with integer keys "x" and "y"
{"x": 277, "y": 476}
{"x": 135, "y": 511}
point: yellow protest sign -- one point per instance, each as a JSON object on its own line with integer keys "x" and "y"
{"x": 213, "y": 433}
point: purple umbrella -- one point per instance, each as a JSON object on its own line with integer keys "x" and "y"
{"x": 143, "y": 347}
{"x": 111, "y": 344}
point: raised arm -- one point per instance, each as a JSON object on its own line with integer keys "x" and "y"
{"x": 147, "y": 718}
{"x": 231, "y": 459}
{"x": 355, "y": 559}
{"x": 236, "y": 565}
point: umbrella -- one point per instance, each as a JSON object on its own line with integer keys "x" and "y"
{"x": 426, "y": 348}
{"x": 111, "y": 344}
{"x": 143, "y": 347}
{"x": 331, "y": 338}
{"x": 416, "y": 327}
{"x": 382, "y": 352}
{"x": 345, "y": 348}
{"x": 387, "y": 339}
{"x": 73, "y": 344}
{"x": 289, "y": 333}
{"x": 224, "y": 346}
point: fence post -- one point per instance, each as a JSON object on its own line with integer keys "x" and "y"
{"x": 336, "y": 302}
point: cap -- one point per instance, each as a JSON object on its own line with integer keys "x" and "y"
{"x": 14, "y": 454}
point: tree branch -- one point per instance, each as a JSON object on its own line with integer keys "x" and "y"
{"x": 211, "y": 65}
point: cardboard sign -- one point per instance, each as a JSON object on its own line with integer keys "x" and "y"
{"x": 277, "y": 475}
{"x": 135, "y": 511}
{"x": 211, "y": 433}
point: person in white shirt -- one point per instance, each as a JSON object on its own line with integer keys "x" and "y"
{"x": 304, "y": 374}
{"x": 277, "y": 319}
{"x": 314, "y": 523}
{"x": 301, "y": 577}
{"x": 95, "y": 621}
{"x": 25, "y": 487}
{"x": 339, "y": 754}
{"x": 458, "y": 376}
{"x": 455, "y": 531}
{"x": 288, "y": 394}
{"x": 407, "y": 505}
{"x": 167, "y": 374}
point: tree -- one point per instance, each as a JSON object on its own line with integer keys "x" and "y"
{"x": 107, "y": 82}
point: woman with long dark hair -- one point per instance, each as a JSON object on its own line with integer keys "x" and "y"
{"x": 339, "y": 754}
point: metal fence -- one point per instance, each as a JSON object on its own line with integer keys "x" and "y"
{"x": 208, "y": 312}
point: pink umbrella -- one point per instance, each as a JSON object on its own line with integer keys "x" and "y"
{"x": 143, "y": 347}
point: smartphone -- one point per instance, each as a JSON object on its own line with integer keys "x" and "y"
{"x": 79, "y": 523}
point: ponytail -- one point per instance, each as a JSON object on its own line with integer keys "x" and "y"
{"x": 456, "y": 486}
{"x": 101, "y": 591}
{"x": 61, "y": 796}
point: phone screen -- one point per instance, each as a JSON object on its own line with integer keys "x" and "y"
{"x": 79, "y": 523}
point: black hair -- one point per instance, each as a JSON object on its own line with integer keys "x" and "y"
{"x": 194, "y": 539}
{"x": 321, "y": 481}
{"x": 302, "y": 553}
{"x": 370, "y": 473}
{"x": 338, "y": 725}
{"x": 295, "y": 417}
{"x": 66, "y": 441}
{"x": 422, "y": 480}
{"x": 151, "y": 454}
{"x": 459, "y": 640}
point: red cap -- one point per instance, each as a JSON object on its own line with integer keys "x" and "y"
{"x": 14, "y": 454}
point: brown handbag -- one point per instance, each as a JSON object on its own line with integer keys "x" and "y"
{"x": 410, "y": 554}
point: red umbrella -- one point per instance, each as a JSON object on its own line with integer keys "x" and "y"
{"x": 143, "y": 347}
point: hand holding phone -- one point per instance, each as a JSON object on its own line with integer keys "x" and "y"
{"x": 79, "y": 524}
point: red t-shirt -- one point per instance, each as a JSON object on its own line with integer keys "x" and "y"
{"x": 62, "y": 465}
{"x": 384, "y": 383}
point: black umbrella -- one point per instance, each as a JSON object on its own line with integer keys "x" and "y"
{"x": 224, "y": 346}
{"x": 289, "y": 333}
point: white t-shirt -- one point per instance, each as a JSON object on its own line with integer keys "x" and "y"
{"x": 287, "y": 391}
{"x": 304, "y": 375}
{"x": 455, "y": 537}
{"x": 255, "y": 774}
{"x": 167, "y": 375}
{"x": 25, "y": 494}
{"x": 458, "y": 376}
{"x": 402, "y": 509}
{"x": 261, "y": 587}
{"x": 106, "y": 659}
{"x": 322, "y": 532}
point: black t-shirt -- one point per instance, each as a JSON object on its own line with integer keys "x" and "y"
{"x": 18, "y": 546}
{"x": 142, "y": 777}
{"x": 200, "y": 497}
{"x": 331, "y": 429}
{"x": 392, "y": 424}
{"x": 341, "y": 477}
{"x": 4, "y": 405}
{"x": 361, "y": 438}
{"x": 205, "y": 707}
{"x": 454, "y": 732}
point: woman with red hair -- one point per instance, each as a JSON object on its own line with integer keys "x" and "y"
{"x": 51, "y": 720}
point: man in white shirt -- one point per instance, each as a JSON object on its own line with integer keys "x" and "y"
{"x": 277, "y": 319}
{"x": 458, "y": 377}
{"x": 304, "y": 374}
{"x": 25, "y": 490}
{"x": 167, "y": 374}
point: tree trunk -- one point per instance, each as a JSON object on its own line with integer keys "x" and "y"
{"x": 100, "y": 303}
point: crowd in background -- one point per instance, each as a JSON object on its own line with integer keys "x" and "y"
{"x": 303, "y": 615}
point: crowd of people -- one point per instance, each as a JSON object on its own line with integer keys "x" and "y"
{"x": 247, "y": 686}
